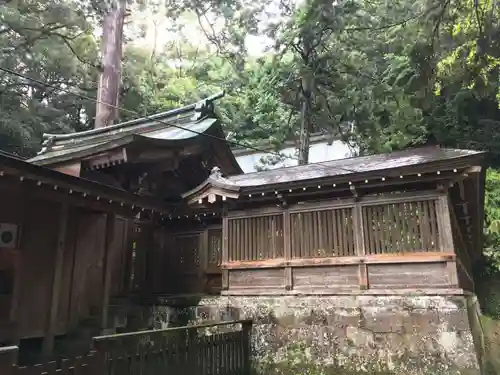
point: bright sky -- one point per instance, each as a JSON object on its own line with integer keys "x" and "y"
{"x": 150, "y": 27}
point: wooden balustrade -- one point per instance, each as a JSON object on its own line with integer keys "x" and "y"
{"x": 212, "y": 349}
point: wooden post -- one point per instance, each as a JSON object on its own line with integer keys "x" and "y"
{"x": 225, "y": 250}
{"x": 444, "y": 224}
{"x": 288, "y": 249}
{"x": 108, "y": 262}
{"x": 48, "y": 341}
{"x": 203, "y": 254}
{"x": 446, "y": 235}
{"x": 8, "y": 359}
{"x": 359, "y": 245}
{"x": 246, "y": 328}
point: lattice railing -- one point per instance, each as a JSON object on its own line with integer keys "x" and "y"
{"x": 256, "y": 238}
{"x": 214, "y": 256}
{"x": 401, "y": 227}
{"x": 387, "y": 228}
{"x": 325, "y": 233}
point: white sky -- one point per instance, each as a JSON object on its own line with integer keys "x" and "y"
{"x": 154, "y": 27}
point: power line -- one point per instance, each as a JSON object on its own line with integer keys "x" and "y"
{"x": 148, "y": 117}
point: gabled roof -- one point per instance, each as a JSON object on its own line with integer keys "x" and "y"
{"x": 177, "y": 128}
{"x": 363, "y": 169}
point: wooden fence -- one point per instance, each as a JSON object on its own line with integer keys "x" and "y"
{"x": 213, "y": 349}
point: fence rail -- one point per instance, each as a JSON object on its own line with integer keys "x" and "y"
{"x": 213, "y": 349}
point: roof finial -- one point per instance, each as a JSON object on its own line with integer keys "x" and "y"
{"x": 216, "y": 173}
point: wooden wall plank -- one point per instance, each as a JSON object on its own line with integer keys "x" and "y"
{"x": 67, "y": 276}
{"x": 38, "y": 252}
{"x": 261, "y": 278}
{"x": 86, "y": 298}
{"x": 325, "y": 277}
{"x": 50, "y": 331}
{"x": 109, "y": 257}
{"x": 431, "y": 275}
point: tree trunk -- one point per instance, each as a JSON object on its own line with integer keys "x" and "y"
{"x": 305, "y": 113}
{"x": 110, "y": 77}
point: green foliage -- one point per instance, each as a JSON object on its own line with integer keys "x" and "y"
{"x": 492, "y": 219}
{"x": 50, "y": 41}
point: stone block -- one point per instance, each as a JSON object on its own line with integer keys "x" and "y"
{"x": 456, "y": 320}
{"x": 344, "y": 318}
{"x": 425, "y": 321}
{"x": 360, "y": 337}
{"x": 288, "y": 320}
{"x": 384, "y": 322}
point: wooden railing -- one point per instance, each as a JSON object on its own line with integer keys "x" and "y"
{"x": 213, "y": 349}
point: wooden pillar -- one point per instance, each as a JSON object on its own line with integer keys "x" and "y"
{"x": 359, "y": 245}
{"x": 18, "y": 277}
{"x": 446, "y": 236}
{"x": 202, "y": 270}
{"x": 288, "y": 250}
{"x": 225, "y": 250}
{"x": 48, "y": 341}
{"x": 444, "y": 224}
{"x": 108, "y": 262}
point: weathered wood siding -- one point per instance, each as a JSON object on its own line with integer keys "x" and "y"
{"x": 410, "y": 275}
{"x": 311, "y": 278}
{"x": 88, "y": 272}
{"x": 12, "y": 211}
{"x": 168, "y": 261}
{"x": 38, "y": 247}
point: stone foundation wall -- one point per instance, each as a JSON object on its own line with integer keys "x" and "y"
{"x": 402, "y": 335}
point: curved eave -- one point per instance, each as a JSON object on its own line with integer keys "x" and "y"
{"x": 159, "y": 116}
{"x": 211, "y": 188}
{"x": 160, "y": 137}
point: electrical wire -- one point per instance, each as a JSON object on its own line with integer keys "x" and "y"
{"x": 148, "y": 117}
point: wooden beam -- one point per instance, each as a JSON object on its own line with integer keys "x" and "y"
{"x": 48, "y": 341}
{"x": 417, "y": 257}
{"x": 72, "y": 168}
{"x": 108, "y": 263}
{"x": 441, "y": 291}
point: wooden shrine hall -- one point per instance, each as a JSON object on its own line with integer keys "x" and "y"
{"x": 192, "y": 223}
{"x": 63, "y": 251}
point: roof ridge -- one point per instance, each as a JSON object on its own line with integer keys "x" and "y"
{"x": 199, "y": 107}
